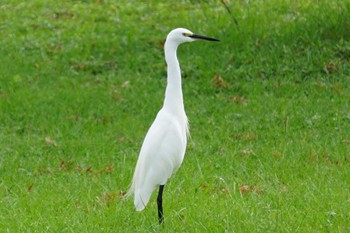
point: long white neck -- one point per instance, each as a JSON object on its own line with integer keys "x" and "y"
{"x": 173, "y": 94}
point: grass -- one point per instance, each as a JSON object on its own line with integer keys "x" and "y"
{"x": 81, "y": 82}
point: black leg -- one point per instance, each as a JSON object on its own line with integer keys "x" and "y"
{"x": 160, "y": 204}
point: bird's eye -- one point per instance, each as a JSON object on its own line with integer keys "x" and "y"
{"x": 186, "y": 34}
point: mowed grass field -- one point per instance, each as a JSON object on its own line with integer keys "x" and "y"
{"x": 269, "y": 112}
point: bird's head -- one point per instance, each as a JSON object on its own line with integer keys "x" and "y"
{"x": 182, "y": 35}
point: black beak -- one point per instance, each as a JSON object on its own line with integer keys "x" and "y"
{"x": 199, "y": 37}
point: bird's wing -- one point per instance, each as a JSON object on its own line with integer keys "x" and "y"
{"x": 161, "y": 154}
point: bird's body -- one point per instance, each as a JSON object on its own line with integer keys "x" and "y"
{"x": 161, "y": 155}
{"x": 164, "y": 146}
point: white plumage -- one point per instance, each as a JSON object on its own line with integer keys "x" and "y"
{"x": 164, "y": 146}
{"x": 161, "y": 155}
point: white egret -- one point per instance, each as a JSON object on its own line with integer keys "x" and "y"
{"x": 164, "y": 146}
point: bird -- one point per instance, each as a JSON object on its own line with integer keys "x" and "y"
{"x": 164, "y": 146}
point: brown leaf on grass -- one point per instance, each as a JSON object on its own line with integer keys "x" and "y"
{"x": 67, "y": 166}
{"x": 238, "y": 99}
{"x": 63, "y": 165}
{"x": 347, "y": 142}
{"x": 50, "y": 142}
{"x": 30, "y": 187}
{"x": 330, "y": 67}
{"x": 53, "y": 48}
{"x": 88, "y": 170}
{"x": 204, "y": 187}
{"x": 79, "y": 168}
{"x": 42, "y": 170}
{"x": 219, "y": 190}
{"x": 62, "y": 15}
{"x": 219, "y": 82}
{"x": 107, "y": 198}
{"x": 105, "y": 170}
{"x": 246, "y": 189}
{"x": 276, "y": 154}
{"x": 109, "y": 168}
{"x": 122, "y": 194}
{"x": 250, "y": 136}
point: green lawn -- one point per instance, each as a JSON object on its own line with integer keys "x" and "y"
{"x": 269, "y": 111}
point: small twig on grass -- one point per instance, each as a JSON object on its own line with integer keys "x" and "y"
{"x": 229, "y": 11}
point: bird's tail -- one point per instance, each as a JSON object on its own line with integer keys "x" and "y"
{"x": 141, "y": 199}
{"x": 139, "y": 203}
{"x": 130, "y": 192}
